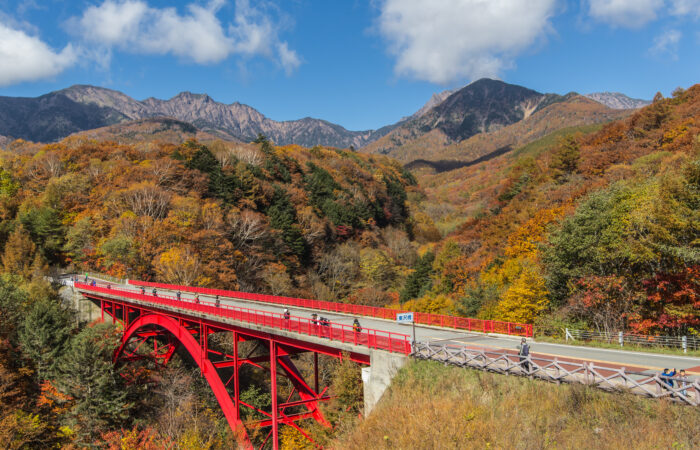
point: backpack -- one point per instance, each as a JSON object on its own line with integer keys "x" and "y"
{"x": 525, "y": 350}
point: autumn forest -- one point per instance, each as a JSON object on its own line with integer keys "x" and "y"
{"x": 594, "y": 227}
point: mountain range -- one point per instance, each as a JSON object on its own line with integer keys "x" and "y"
{"x": 483, "y": 106}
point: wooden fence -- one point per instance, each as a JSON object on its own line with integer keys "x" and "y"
{"x": 682, "y": 390}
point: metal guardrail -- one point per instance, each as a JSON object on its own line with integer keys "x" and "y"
{"x": 682, "y": 390}
{"x": 622, "y": 338}
{"x": 367, "y": 337}
{"x": 461, "y": 323}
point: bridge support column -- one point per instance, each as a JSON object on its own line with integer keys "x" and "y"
{"x": 236, "y": 399}
{"x": 273, "y": 382}
{"x": 377, "y": 377}
{"x": 316, "y": 373}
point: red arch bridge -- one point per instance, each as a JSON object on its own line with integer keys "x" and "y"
{"x": 164, "y": 322}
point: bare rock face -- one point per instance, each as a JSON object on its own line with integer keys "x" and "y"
{"x": 435, "y": 100}
{"x": 616, "y": 100}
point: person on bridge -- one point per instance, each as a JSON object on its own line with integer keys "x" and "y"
{"x": 286, "y": 315}
{"x": 143, "y": 291}
{"x": 196, "y": 298}
{"x": 524, "y": 353}
{"x": 178, "y": 295}
{"x": 155, "y": 293}
{"x": 217, "y": 302}
{"x": 356, "y": 326}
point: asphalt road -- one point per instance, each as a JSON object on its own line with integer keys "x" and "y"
{"x": 637, "y": 361}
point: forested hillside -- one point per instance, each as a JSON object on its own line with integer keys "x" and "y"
{"x": 254, "y": 217}
{"x": 602, "y": 228}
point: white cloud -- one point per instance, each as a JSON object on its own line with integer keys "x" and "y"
{"x": 448, "y": 40}
{"x": 28, "y": 58}
{"x": 197, "y": 36}
{"x": 666, "y": 44}
{"x": 686, "y": 8}
{"x": 288, "y": 58}
{"x": 625, "y": 13}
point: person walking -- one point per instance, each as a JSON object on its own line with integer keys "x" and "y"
{"x": 524, "y": 353}
{"x": 143, "y": 291}
{"x": 178, "y": 294}
{"x": 286, "y": 315}
{"x": 155, "y": 293}
{"x": 356, "y": 326}
{"x": 196, "y": 298}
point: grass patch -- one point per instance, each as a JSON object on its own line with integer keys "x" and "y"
{"x": 431, "y": 406}
{"x": 549, "y": 141}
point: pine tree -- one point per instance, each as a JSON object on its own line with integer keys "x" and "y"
{"x": 44, "y": 335}
{"x": 86, "y": 373}
{"x": 420, "y": 281}
{"x": 283, "y": 217}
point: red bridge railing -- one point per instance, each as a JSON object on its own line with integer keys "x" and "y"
{"x": 378, "y": 339}
{"x": 462, "y": 323}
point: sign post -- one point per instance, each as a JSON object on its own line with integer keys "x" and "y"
{"x": 406, "y": 318}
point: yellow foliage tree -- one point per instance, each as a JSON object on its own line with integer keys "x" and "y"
{"x": 180, "y": 265}
{"x": 438, "y": 304}
{"x": 376, "y": 267}
{"x": 20, "y": 253}
{"x": 525, "y": 298}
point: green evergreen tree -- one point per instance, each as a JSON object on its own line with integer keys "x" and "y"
{"x": 85, "y": 372}
{"x": 566, "y": 158}
{"x": 283, "y": 218}
{"x": 225, "y": 186}
{"x": 320, "y": 185}
{"x": 13, "y": 302}
{"x": 44, "y": 335}
{"x": 46, "y": 230}
{"x": 420, "y": 281}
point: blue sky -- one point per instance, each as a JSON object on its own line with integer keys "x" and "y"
{"x": 361, "y": 64}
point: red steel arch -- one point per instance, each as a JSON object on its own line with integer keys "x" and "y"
{"x": 185, "y": 338}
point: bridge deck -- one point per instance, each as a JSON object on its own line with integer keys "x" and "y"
{"x": 334, "y": 335}
{"x": 639, "y": 361}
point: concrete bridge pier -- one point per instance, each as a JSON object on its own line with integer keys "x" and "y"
{"x": 377, "y": 377}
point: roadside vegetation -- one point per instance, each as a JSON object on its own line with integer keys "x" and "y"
{"x": 430, "y": 405}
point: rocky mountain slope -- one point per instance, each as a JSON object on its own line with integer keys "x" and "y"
{"x": 58, "y": 114}
{"x": 616, "y": 100}
{"x": 52, "y": 116}
{"x": 485, "y": 116}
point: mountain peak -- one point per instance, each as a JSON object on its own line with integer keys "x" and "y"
{"x": 617, "y": 100}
